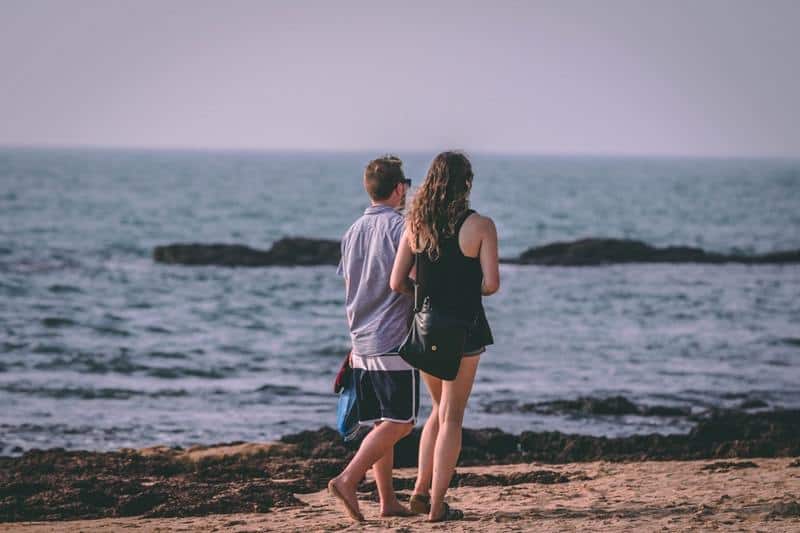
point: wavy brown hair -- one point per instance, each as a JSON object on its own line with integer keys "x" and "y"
{"x": 440, "y": 200}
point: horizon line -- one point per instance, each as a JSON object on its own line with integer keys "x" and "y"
{"x": 485, "y": 152}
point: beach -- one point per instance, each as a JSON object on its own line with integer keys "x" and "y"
{"x": 732, "y": 470}
{"x": 754, "y": 495}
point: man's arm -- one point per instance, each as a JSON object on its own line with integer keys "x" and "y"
{"x": 341, "y": 269}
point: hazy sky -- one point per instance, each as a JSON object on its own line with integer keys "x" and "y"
{"x": 677, "y": 77}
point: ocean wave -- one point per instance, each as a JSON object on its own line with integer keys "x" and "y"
{"x": 87, "y": 393}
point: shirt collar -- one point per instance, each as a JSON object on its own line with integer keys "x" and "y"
{"x": 375, "y": 209}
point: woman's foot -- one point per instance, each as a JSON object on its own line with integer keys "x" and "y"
{"x": 447, "y": 515}
{"x": 420, "y": 503}
{"x": 347, "y": 497}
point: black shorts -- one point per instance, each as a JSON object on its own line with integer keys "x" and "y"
{"x": 387, "y": 388}
{"x": 479, "y": 336}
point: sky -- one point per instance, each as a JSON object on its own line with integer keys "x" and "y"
{"x": 719, "y": 78}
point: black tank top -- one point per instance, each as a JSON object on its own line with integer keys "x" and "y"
{"x": 454, "y": 280}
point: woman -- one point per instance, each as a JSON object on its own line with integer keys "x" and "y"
{"x": 457, "y": 254}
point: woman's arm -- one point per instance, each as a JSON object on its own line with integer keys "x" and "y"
{"x": 489, "y": 257}
{"x": 403, "y": 263}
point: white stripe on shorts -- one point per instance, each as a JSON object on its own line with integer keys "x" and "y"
{"x": 384, "y": 363}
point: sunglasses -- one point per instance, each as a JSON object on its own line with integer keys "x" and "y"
{"x": 407, "y": 181}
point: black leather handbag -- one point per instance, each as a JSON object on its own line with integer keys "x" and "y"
{"x": 435, "y": 342}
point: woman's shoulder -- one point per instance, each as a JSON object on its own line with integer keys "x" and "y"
{"x": 478, "y": 223}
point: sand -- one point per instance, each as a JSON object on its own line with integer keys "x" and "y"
{"x": 754, "y": 495}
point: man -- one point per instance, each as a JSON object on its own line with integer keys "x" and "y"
{"x": 387, "y": 388}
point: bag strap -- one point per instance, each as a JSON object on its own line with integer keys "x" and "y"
{"x": 417, "y": 290}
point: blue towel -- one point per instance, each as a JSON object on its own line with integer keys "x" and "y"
{"x": 347, "y": 410}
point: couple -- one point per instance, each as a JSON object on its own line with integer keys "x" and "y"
{"x": 457, "y": 258}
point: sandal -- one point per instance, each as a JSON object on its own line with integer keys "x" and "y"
{"x": 449, "y": 514}
{"x": 420, "y": 503}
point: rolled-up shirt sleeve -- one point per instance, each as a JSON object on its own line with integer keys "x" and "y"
{"x": 340, "y": 270}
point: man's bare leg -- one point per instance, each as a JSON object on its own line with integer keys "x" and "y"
{"x": 374, "y": 446}
{"x": 382, "y": 470}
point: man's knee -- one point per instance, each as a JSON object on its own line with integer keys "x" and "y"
{"x": 402, "y": 429}
{"x": 408, "y": 428}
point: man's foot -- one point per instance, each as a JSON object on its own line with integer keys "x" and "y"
{"x": 395, "y": 509}
{"x": 347, "y": 497}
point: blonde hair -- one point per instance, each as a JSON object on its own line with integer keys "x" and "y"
{"x": 442, "y": 198}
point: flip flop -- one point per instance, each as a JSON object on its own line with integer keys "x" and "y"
{"x": 420, "y": 503}
{"x": 449, "y": 514}
{"x": 354, "y": 514}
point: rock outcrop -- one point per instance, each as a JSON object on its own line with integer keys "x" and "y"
{"x": 289, "y": 251}
{"x": 299, "y": 251}
{"x": 592, "y": 251}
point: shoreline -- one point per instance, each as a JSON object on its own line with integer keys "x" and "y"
{"x": 231, "y": 478}
{"x": 761, "y": 494}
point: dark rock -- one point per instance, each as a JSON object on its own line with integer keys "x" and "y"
{"x": 790, "y": 509}
{"x": 597, "y": 251}
{"x": 139, "y": 504}
{"x": 210, "y": 254}
{"x": 501, "y": 406}
{"x": 488, "y": 444}
{"x": 727, "y": 466}
{"x": 614, "y": 405}
{"x": 324, "y": 442}
{"x": 300, "y": 251}
{"x": 795, "y": 464}
{"x": 286, "y": 252}
{"x": 753, "y": 404}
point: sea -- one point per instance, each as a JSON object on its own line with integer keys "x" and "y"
{"x": 103, "y": 348}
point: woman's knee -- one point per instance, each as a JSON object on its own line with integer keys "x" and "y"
{"x": 451, "y": 412}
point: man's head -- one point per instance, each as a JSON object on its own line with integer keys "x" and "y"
{"x": 385, "y": 182}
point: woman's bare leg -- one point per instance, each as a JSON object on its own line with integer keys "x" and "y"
{"x": 427, "y": 440}
{"x": 448, "y": 443}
